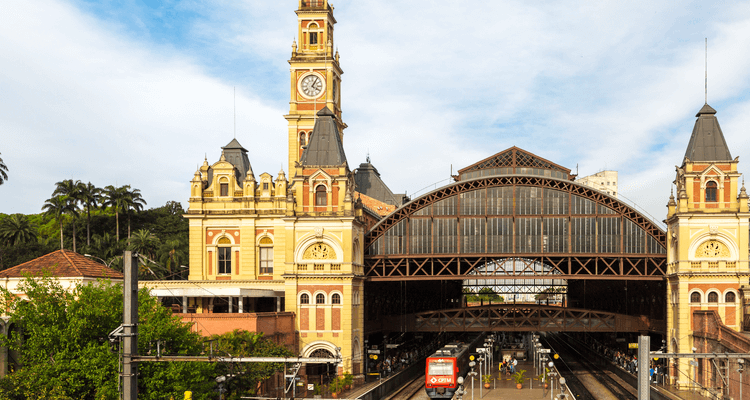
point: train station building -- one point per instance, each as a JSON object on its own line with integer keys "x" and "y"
{"x": 329, "y": 260}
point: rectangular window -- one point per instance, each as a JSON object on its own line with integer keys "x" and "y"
{"x": 265, "y": 185}
{"x": 224, "y": 189}
{"x": 225, "y": 260}
{"x": 313, "y": 37}
{"x": 266, "y": 260}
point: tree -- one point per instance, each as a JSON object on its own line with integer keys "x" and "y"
{"x": 115, "y": 197}
{"x": 242, "y": 379}
{"x": 3, "y": 168}
{"x": 64, "y": 352}
{"x": 144, "y": 242}
{"x": 133, "y": 202}
{"x": 71, "y": 191}
{"x": 173, "y": 254}
{"x": 89, "y": 196}
{"x": 16, "y": 229}
{"x": 57, "y": 207}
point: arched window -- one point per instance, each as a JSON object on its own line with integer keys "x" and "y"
{"x": 223, "y": 187}
{"x": 335, "y": 298}
{"x": 266, "y": 256}
{"x": 313, "y": 27}
{"x": 729, "y": 297}
{"x": 710, "y": 191}
{"x": 713, "y": 297}
{"x": 320, "y": 298}
{"x": 302, "y": 141}
{"x": 304, "y": 298}
{"x": 695, "y": 297}
{"x": 321, "y": 197}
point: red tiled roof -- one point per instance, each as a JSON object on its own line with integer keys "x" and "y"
{"x": 376, "y": 205}
{"x": 62, "y": 264}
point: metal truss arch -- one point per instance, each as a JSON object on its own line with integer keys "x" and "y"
{"x": 405, "y": 260}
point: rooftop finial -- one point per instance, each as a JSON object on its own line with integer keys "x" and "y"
{"x": 368, "y": 157}
{"x": 706, "y": 72}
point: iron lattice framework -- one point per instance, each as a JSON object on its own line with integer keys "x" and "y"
{"x": 519, "y": 318}
{"x": 500, "y": 227}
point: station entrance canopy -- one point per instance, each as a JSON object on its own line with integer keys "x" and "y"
{"x": 515, "y": 215}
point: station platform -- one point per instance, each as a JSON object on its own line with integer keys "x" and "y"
{"x": 505, "y": 387}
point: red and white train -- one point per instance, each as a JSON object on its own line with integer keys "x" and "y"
{"x": 446, "y": 365}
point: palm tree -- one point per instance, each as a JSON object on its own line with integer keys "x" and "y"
{"x": 172, "y": 256}
{"x": 3, "y": 175}
{"x": 16, "y": 229}
{"x": 106, "y": 246}
{"x": 134, "y": 202}
{"x": 144, "y": 242}
{"x": 57, "y": 207}
{"x": 89, "y": 196}
{"x": 71, "y": 190}
{"x": 116, "y": 198}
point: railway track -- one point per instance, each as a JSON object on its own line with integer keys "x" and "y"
{"x": 585, "y": 375}
{"x": 410, "y": 391}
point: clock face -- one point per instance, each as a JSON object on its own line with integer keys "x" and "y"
{"x": 311, "y": 85}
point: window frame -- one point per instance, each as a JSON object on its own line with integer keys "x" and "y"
{"x": 712, "y": 190}
{"x": 321, "y": 196}
{"x": 712, "y": 297}
{"x": 304, "y": 298}
{"x": 734, "y": 298}
{"x": 224, "y": 260}
{"x": 320, "y": 298}
{"x": 336, "y": 298}
{"x": 265, "y": 265}
{"x": 696, "y": 297}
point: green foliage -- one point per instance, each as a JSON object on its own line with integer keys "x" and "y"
{"x": 61, "y": 337}
{"x": 246, "y": 377}
{"x": 519, "y": 376}
{"x": 486, "y": 378}
{"x": 485, "y": 294}
{"x": 16, "y": 229}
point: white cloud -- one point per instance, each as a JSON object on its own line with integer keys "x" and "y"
{"x": 427, "y": 85}
{"x": 82, "y": 103}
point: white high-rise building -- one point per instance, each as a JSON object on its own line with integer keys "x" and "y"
{"x": 606, "y": 181}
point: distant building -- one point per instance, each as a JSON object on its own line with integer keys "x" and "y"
{"x": 67, "y": 267}
{"x": 606, "y": 181}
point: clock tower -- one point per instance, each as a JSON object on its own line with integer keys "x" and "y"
{"x": 707, "y": 241}
{"x": 315, "y": 75}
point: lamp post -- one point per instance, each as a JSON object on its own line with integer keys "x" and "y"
{"x": 460, "y": 392}
{"x": 472, "y": 364}
{"x": 562, "y": 388}
{"x": 480, "y": 371}
{"x": 552, "y": 375}
{"x": 106, "y": 264}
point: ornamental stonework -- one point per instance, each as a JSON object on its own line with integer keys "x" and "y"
{"x": 319, "y": 251}
{"x": 712, "y": 249}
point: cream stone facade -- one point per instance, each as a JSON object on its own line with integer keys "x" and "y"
{"x": 707, "y": 240}
{"x": 273, "y": 244}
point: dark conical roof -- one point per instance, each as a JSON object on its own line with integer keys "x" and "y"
{"x": 707, "y": 142}
{"x": 325, "y": 147}
{"x": 237, "y": 156}
{"x": 368, "y": 182}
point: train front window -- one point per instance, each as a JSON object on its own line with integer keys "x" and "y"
{"x": 438, "y": 368}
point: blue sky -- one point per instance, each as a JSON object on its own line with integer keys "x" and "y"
{"x": 138, "y": 92}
